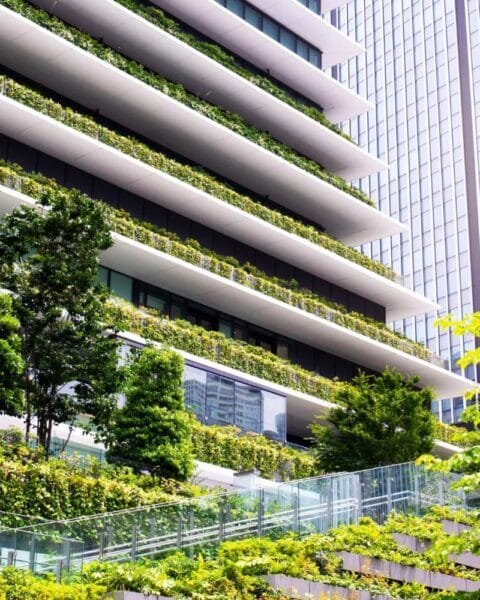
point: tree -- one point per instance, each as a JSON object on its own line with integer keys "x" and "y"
{"x": 467, "y": 461}
{"x": 153, "y": 429}
{"x": 11, "y": 362}
{"x": 379, "y": 421}
{"x": 49, "y": 261}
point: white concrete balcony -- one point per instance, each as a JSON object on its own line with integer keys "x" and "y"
{"x": 176, "y": 60}
{"x": 86, "y": 153}
{"x": 60, "y": 65}
{"x": 336, "y": 47}
{"x": 232, "y": 32}
{"x": 177, "y": 276}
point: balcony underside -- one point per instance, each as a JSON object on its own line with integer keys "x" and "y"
{"x": 221, "y": 25}
{"x": 172, "y": 58}
{"x": 336, "y": 47}
{"x": 182, "y": 278}
{"x": 65, "y": 68}
{"x": 88, "y": 154}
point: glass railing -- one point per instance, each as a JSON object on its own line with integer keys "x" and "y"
{"x": 304, "y": 506}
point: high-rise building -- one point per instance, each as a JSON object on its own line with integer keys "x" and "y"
{"x": 421, "y": 71}
{"x": 209, "y": 131}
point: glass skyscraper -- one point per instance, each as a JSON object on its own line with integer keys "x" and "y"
{"x": 421, "y": 70}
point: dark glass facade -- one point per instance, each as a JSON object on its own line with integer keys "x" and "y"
{"x": 275, "y": 30}
{"x": 219, "y": 400}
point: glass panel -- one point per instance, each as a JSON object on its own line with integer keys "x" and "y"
{"x": 121, "y": 285}
{"x": 103, "y": 275}
{"x": 236, "y": 6}
{"x": 274, "y": 416}
{"x": 157, "y": 302}
{"x": 220, "y": 400}
{"x": 195, "y": 384}
{"x": 302, "y": 49}
{"x": 287, "y": 39}
{"x": 271, "y": 28}
{"x": 248, "y": 408}
{"x": 254, "y": 17}
{"x": 314, "y": 57}
{"x": 225, "y": 327}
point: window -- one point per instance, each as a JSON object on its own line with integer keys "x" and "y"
{"x": 218, "y": 400}
{"x": 121, "y": 285}
{"x": 278, "y": 32}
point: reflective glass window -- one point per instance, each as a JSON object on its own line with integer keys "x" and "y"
{"x": 121, "y": 285}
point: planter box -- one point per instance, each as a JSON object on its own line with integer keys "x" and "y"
{"x": 359, "y": 563}
{"x": 467, "y": 559}
{"x": 412, "y": 543}
{"x": 137, "y": 596}
{"x": 302, "y": 588}
{"x": 454, "y": 528}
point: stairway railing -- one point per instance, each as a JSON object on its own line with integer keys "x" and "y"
{"x": 304, "y": 506}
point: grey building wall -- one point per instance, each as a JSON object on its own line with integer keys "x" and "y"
{"x": 422, "y": 73}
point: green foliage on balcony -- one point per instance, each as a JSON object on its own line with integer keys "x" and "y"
{"x": 177, "y": 92}
{"x": 194, "y": 176}
{"x": 157, "y": 17}
{"x": 57, "y": 488}
{"x": 238, "y": 567}
{"x": 247, "y": 275}
{"x": 214, "y": 346}
{"x": 228, "y": 447}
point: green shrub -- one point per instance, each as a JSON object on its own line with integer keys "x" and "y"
{"x": 18, "y": 584}
{"x": 227, "y": 447}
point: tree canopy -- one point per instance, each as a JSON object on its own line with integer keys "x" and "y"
{"x": 153, "y": 430}
{"x": 380, "y": 420}
{"x": 467, "y": 461}
{"x": 49, "y": 257}
{"x": 11, "y": 361}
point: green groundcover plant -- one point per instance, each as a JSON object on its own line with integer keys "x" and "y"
{"x": 176, "y": 91}
{"x": 193, "y": 175}
{"x": 35, "y": 185}
{"x": 236, "y": 569}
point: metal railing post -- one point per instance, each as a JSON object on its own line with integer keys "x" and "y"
{"x": 101, "y": 544}
{"x": 418, "y": 497}
{"x": 358, "y": 499}
{"x": 330, "y": 504}
{"x": 296, "y": 513}
{"x": 179, "y": 532}
{"x": 389, "y": 494}
{"x": 261, "y": 512}
{"x": 11, "y": 558}
{"x": 221, "y": 523}
{"x": 67, "y": 551}
{"x": 191, "y": 524}
{"x": 31, "y": 557}
{"x": 58, "y": 570}
{"x": 133, "y": 549}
